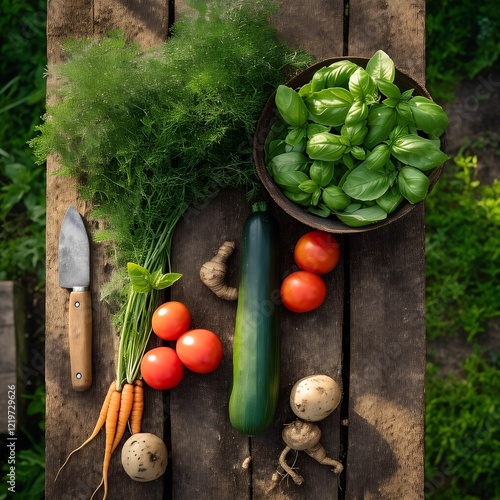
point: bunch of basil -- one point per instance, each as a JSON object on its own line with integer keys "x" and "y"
{"x": 351, "y": 144}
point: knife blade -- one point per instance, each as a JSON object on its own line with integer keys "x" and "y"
{"x": 74, "y": 274}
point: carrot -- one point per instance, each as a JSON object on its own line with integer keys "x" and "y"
{"x": 126, "y": 404}
{"x": 111, "y": 424}
{"x": 137, "y": 408}
{"x": 100, "y": 422}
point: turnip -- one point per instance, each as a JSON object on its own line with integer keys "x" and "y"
{"x": 144, "y": 457}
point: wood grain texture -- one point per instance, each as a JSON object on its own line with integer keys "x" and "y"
{"x": 316, "y": 27}
{"x": 71, "y": 416}
{"x": 387, "y": 302}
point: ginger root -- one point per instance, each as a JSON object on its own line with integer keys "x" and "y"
{"x": 213, "y": 273}
{"x": 301, "y": 435}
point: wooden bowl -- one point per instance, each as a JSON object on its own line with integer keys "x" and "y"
{"x": 330, "y": 224}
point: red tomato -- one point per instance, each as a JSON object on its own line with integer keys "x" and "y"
{"x": 170, "y": 320}
{"x": 161, "y": 368}
{"x": 200, "y": 350}
{"x": 317, "y": 252}
{"x": 302, "y": 291}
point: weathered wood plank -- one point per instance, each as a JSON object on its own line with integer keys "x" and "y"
{"x": 71, "y": 416}
{"x": 387, "y": 316}
{"x": 316, "y": 27}
{"x": 13, "y": 349}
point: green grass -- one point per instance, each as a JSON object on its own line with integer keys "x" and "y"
{"x": 463, "y": 431}
{"x": 463, "y": 251}
{"x": 462, "y": 268}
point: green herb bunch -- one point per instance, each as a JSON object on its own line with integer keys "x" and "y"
{"x": 149, "y": 133}
{"x": 351, "y": 144}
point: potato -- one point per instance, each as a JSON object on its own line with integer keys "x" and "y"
{"x": 144, "y": 457}
{"x": 314, "y": 397}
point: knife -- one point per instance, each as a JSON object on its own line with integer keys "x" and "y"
{"x": 74, "y": 274}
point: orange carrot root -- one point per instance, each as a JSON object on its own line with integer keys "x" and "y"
{"x": 111, "y": 424}
{"x": 126, "y": 404}
{"x": 137, "y": 408}
{"x": 100, "y": 422}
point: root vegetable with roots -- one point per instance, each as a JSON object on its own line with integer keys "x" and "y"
{"x": 213, "y": 273}
{"x": 305, "y": 436}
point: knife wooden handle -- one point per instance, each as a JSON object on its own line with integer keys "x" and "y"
{"x": 80, "y": 340}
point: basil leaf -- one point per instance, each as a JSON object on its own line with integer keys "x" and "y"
{"x": 290, "y": 181}
{"x": 316, "y": 196}
{"x": 295, "y": 135}
{"x": 275, "y": 148}
{"x": 417, "y": 152}
{"x": 364, "y": 185}
{"x": 404, "y": 114}
{"x": 390, "y": 102}
{"x": 305, "y": 90}
{"x": 300, "y": 147}
{"x": 348, "y": 161}
{"x": 428, "y": 116}
{"x": 161, "y": 281}
{"x": 321, "y": 210}
{"x": 362, "y": 216}
{"x": 413, "y": 184}
{"x": 319, "y": 79}
{"x": 381, "y": 66}
{"x": 322, "y": 172}
{"x": 325, "y": 146}
{"x": 355, "y": 132}
{"x": 381, "y": 120}
{"x": 358, "y": 153}
{"x": 377, "y": 158}
{"x": 287, "y": 162}
{"x": 140, "y": 278}
{"x": 390, "y": 200}
{"x": 301, "y": 198}
{"x": 399, "y": 131}
{"x": 407, "y": 94}
{"x": 352, "y": 208}
{"x": 362, "y": 87}
{"x": 308, "y": 186}
{"x": 329, "y": 106}
{"x": 335, "y": 198}
{"x": 340, "y": 72}
{"x": 388, "y": 88}
{"x": 278, "y": 132}
{"x": 357, "y": 113}
{"x": 316, "y": 128}
{"x": 291, "y": 106}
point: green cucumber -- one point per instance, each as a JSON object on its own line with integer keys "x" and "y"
{"x": 257, "y": 335}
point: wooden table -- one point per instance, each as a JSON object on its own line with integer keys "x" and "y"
{"x": 369, "y": 335}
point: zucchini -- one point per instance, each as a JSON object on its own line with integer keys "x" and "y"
{"x": 257, "y": 336}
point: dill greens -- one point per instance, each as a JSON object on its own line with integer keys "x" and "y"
{"x": 146, "y": 131}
